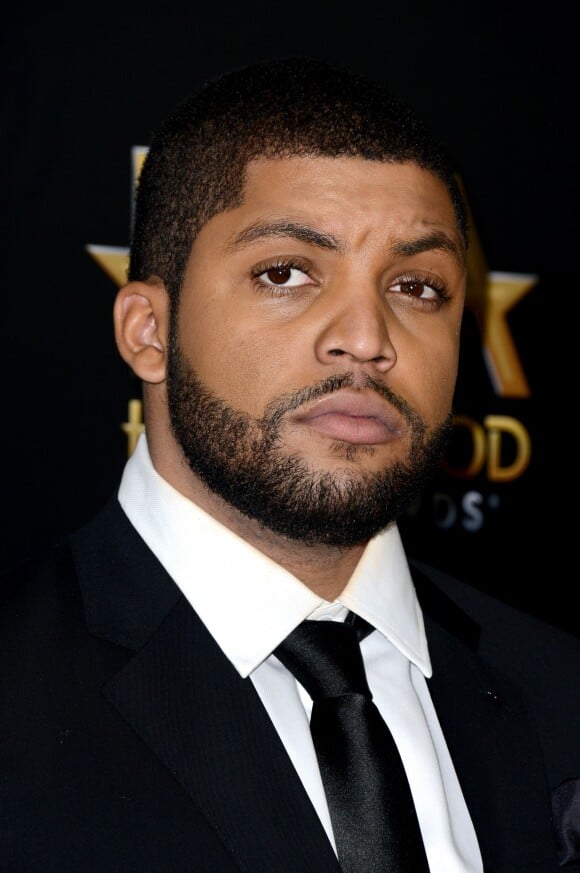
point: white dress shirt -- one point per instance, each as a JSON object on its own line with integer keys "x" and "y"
{"x": 249, "y": 604}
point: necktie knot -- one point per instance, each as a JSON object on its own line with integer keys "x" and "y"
{"x": 326, "y": 659}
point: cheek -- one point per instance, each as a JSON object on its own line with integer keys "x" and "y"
{"x": 242, "y": 365}
{"x": 426, "y": 379}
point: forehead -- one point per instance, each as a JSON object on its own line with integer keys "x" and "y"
{"x": 347, "y": 196}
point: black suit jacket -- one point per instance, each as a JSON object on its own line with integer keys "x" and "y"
{"x": 129, "y": 743}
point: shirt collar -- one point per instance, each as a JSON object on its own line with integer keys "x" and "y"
{"x": 248, "y": 602}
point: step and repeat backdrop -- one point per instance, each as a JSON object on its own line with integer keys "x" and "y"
{"x": 81, "y": 93}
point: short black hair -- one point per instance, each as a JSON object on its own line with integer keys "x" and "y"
{"x": 196, "y": 164}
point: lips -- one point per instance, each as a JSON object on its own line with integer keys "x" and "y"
{"x": 360, "y": 418}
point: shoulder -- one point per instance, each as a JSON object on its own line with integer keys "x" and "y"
{"x": 34, "y": 587}
{"x": 41, "y": 628}
{"x": 42, "y": 598}
{"x": 540, "y": 660}
{"x": 499, "y": 622}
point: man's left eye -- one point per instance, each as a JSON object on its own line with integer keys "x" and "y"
{"x": 416, "y": 288}
{"x": 284, "y": 275}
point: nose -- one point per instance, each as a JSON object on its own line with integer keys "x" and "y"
{"x": 356, "y": 329}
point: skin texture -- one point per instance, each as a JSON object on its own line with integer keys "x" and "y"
{"x": 327, "y": 269}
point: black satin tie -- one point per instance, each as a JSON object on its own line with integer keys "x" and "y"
{"x": 372, "y": 812}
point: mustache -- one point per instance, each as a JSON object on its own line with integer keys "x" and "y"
{"x": 286, "y": 403}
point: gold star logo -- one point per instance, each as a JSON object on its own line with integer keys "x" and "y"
{"x": 490, "y": 297}
{"x": 114, "y": 260}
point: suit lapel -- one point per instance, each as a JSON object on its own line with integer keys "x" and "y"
{"x": 185, "y": 700}
{"x": 475, "y": 703}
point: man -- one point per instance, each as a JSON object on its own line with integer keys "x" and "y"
{"x": 293, "y": 310}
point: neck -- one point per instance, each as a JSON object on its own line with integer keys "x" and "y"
{"x": 322, "y": 568}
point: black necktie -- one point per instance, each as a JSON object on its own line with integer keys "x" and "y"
{"x": 372, "y": 812}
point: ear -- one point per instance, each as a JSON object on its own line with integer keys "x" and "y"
{"x": 141, "y": 320}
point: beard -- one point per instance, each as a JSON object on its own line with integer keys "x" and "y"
{"x": 243, "y": 460}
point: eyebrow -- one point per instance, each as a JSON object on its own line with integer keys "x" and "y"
{"x": 283, "y": 227}
{"x": 304, "y": 233}
{"x": 429, "y": 242}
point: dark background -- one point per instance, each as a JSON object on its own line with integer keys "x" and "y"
{"x": 81, "y": 88}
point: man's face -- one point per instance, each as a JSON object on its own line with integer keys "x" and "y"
{"x": 313, "y": 355}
